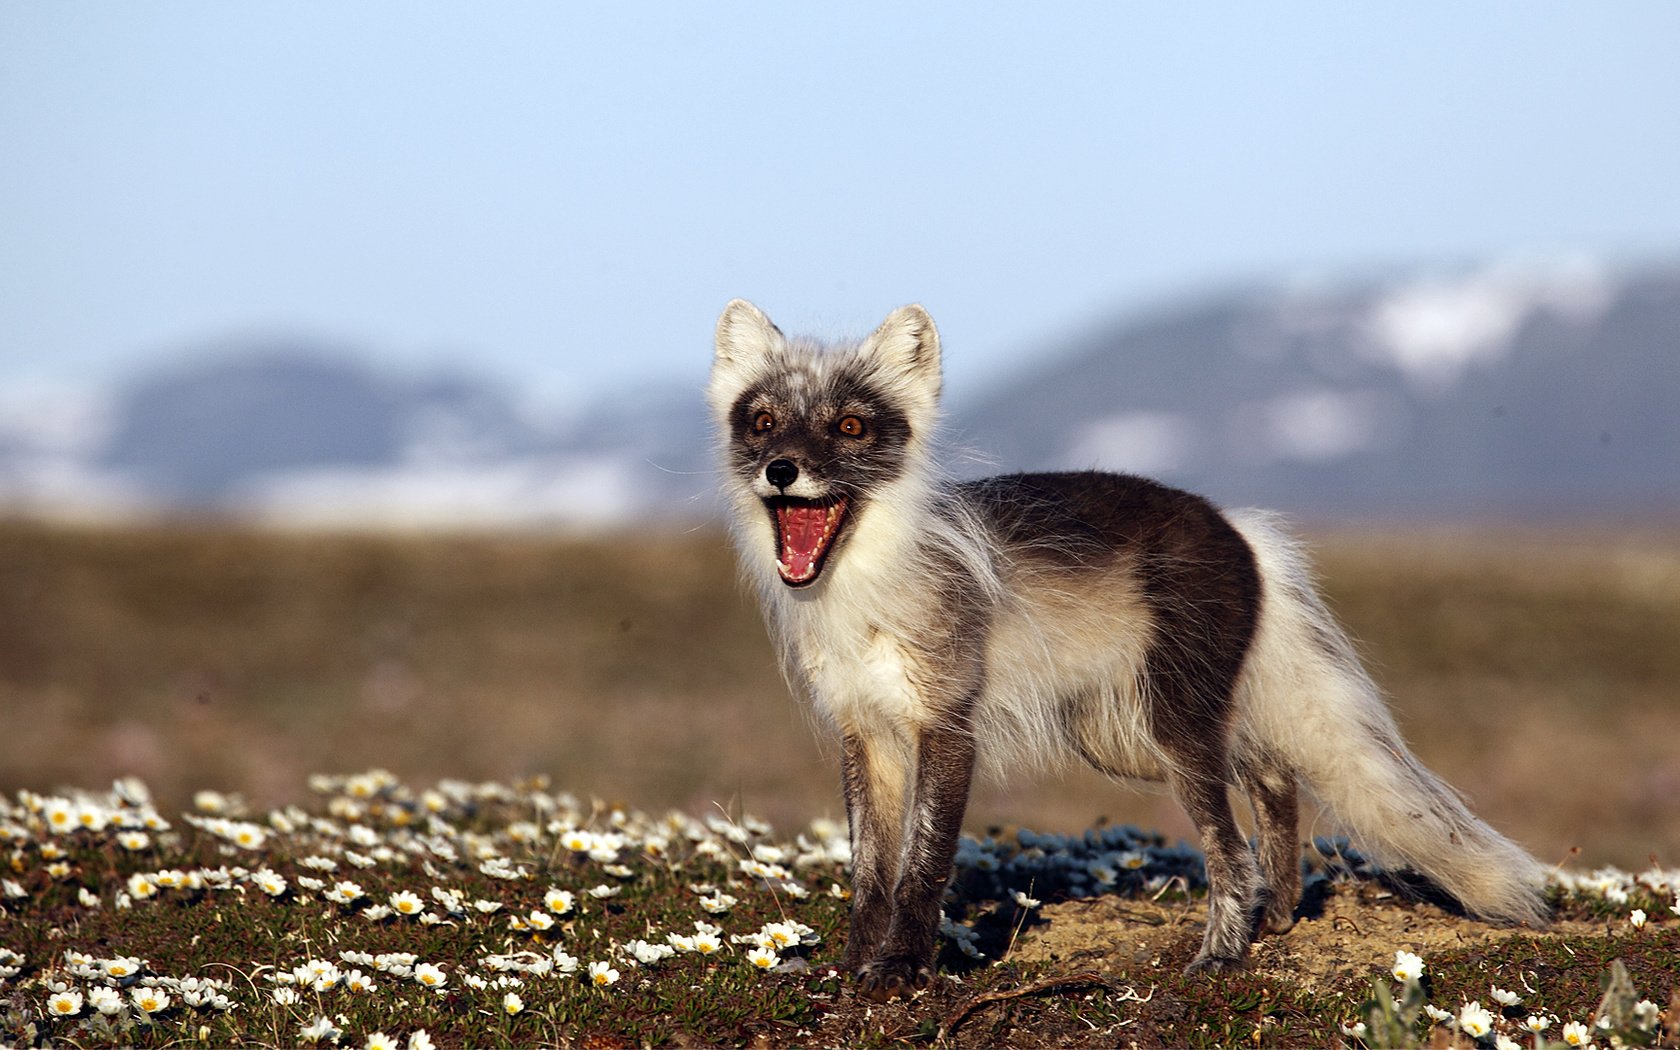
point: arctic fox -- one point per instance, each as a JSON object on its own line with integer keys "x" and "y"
{"x": 1030, "y": 619}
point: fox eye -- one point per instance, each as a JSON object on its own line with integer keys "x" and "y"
{"x": 763, "y": 423}
{"x": 851, "y": 426}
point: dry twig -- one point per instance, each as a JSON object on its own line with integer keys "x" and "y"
{"x": 1086, "y": 979}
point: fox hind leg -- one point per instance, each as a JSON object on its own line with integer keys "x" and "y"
{"x": 1190, "y": 721}
{"x": 1272, "y": 790}
{"x": 1235, "y": 895}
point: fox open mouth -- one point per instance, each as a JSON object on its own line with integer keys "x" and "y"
{"x": 805, "y": 532}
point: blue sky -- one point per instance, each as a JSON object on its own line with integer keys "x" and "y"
{"x": 567, "y": 195}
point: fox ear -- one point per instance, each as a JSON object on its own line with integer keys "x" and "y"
{"x": 907, "y": 344}
{"x": 744, "y": 334}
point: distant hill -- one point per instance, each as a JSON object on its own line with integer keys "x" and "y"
{"x": 1494, "y": 393}
{"x": 1501, "y": 393}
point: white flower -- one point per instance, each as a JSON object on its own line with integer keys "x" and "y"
{"x": 67, "y": 1003}
{"x": 429, "y": 975}
{"x": 763, "y": 958}
{"x": 1646, "y": 1014}
{"x": 356, "y": 981}
{"x": 285, "y": 995}
{"x": 141, "y": 886}
{"x": 1024, "y": 901}
{"x": 1407, "y": 967}
{"x": 1504, "y": 997}
{"x": 1475, "y": 1021}
{"x": 512, "y": 1004}
{"x": 602, "y": 975}
{"x": 149, "y": 1000}
{"x": 269, "y": 882}
{"x": 345, "y": 892}
{"x": 605, "y": 850}
{"x": 60, "y": 814}
{"x": 1435, "y": 1013}
{"x": 419, "y": 1040}
{"x": 502, "y": 868}
{"x": 558, "y": 901}
{"x": 122, "y": 967}
{"x": 133, "y": 841}
{"x": 707, "y": 943}
{"x": 247, "y": 836}
{"x": 1637, "y": 917}
{"x": 379, "y": 1041}
{"x": 648, "y": 954}
{"x": 1537, "y": 1023}
{"x": 540, "y": 921}
{"x": 1577, "y": 1034}
{"x": 790, "y": 933}
{"x": 564, "y": 963}
{"x": 1355, "y": 1030}
{"x": 760, "y": 870}
{"x": 578, "y": 841}
{"x": 717, "y": 903}
{"x": 404, "y": 902}
{"x": 453, "y": 901}
{"x": 602, "y": 892}
{"x": 1505, "y": 1042}
{"x": 105, "y": 1000}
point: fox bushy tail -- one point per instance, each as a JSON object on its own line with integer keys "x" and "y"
{"x": 1306, "y": 697}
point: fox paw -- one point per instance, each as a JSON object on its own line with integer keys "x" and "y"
{"x": 1278, "y": 923}
{"x": 887, "y": 979}
{"x": 1213, "y": 964}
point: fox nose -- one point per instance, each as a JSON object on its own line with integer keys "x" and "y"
{"x": 781, "y": 473}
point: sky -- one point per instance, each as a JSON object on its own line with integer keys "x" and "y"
{"x": 564, "y": 196}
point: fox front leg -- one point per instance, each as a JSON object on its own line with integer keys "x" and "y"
{"x": 903, "y": 960}
{"x": 873, "y": 778}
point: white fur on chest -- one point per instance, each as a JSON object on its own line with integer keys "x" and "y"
{"x": 861, "y": 676}
{"x": 860, "y": 660}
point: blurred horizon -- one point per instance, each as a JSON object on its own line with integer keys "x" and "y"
{"x": 417, "y": 264}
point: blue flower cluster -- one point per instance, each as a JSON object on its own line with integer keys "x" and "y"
{"x": 1120, "y": 859}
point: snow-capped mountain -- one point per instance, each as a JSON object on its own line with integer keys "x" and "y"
{"x": 295, "y": 433}
{"x": 1552, "y": 392}
{"x": 1501, "y": 392}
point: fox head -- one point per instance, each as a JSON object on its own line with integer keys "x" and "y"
{"x": 811, "y": 434}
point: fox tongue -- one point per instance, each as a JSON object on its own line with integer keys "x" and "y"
{"x": 806, "y": 530}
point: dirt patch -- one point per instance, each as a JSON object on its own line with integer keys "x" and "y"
{"x": 1356, "y": 935}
